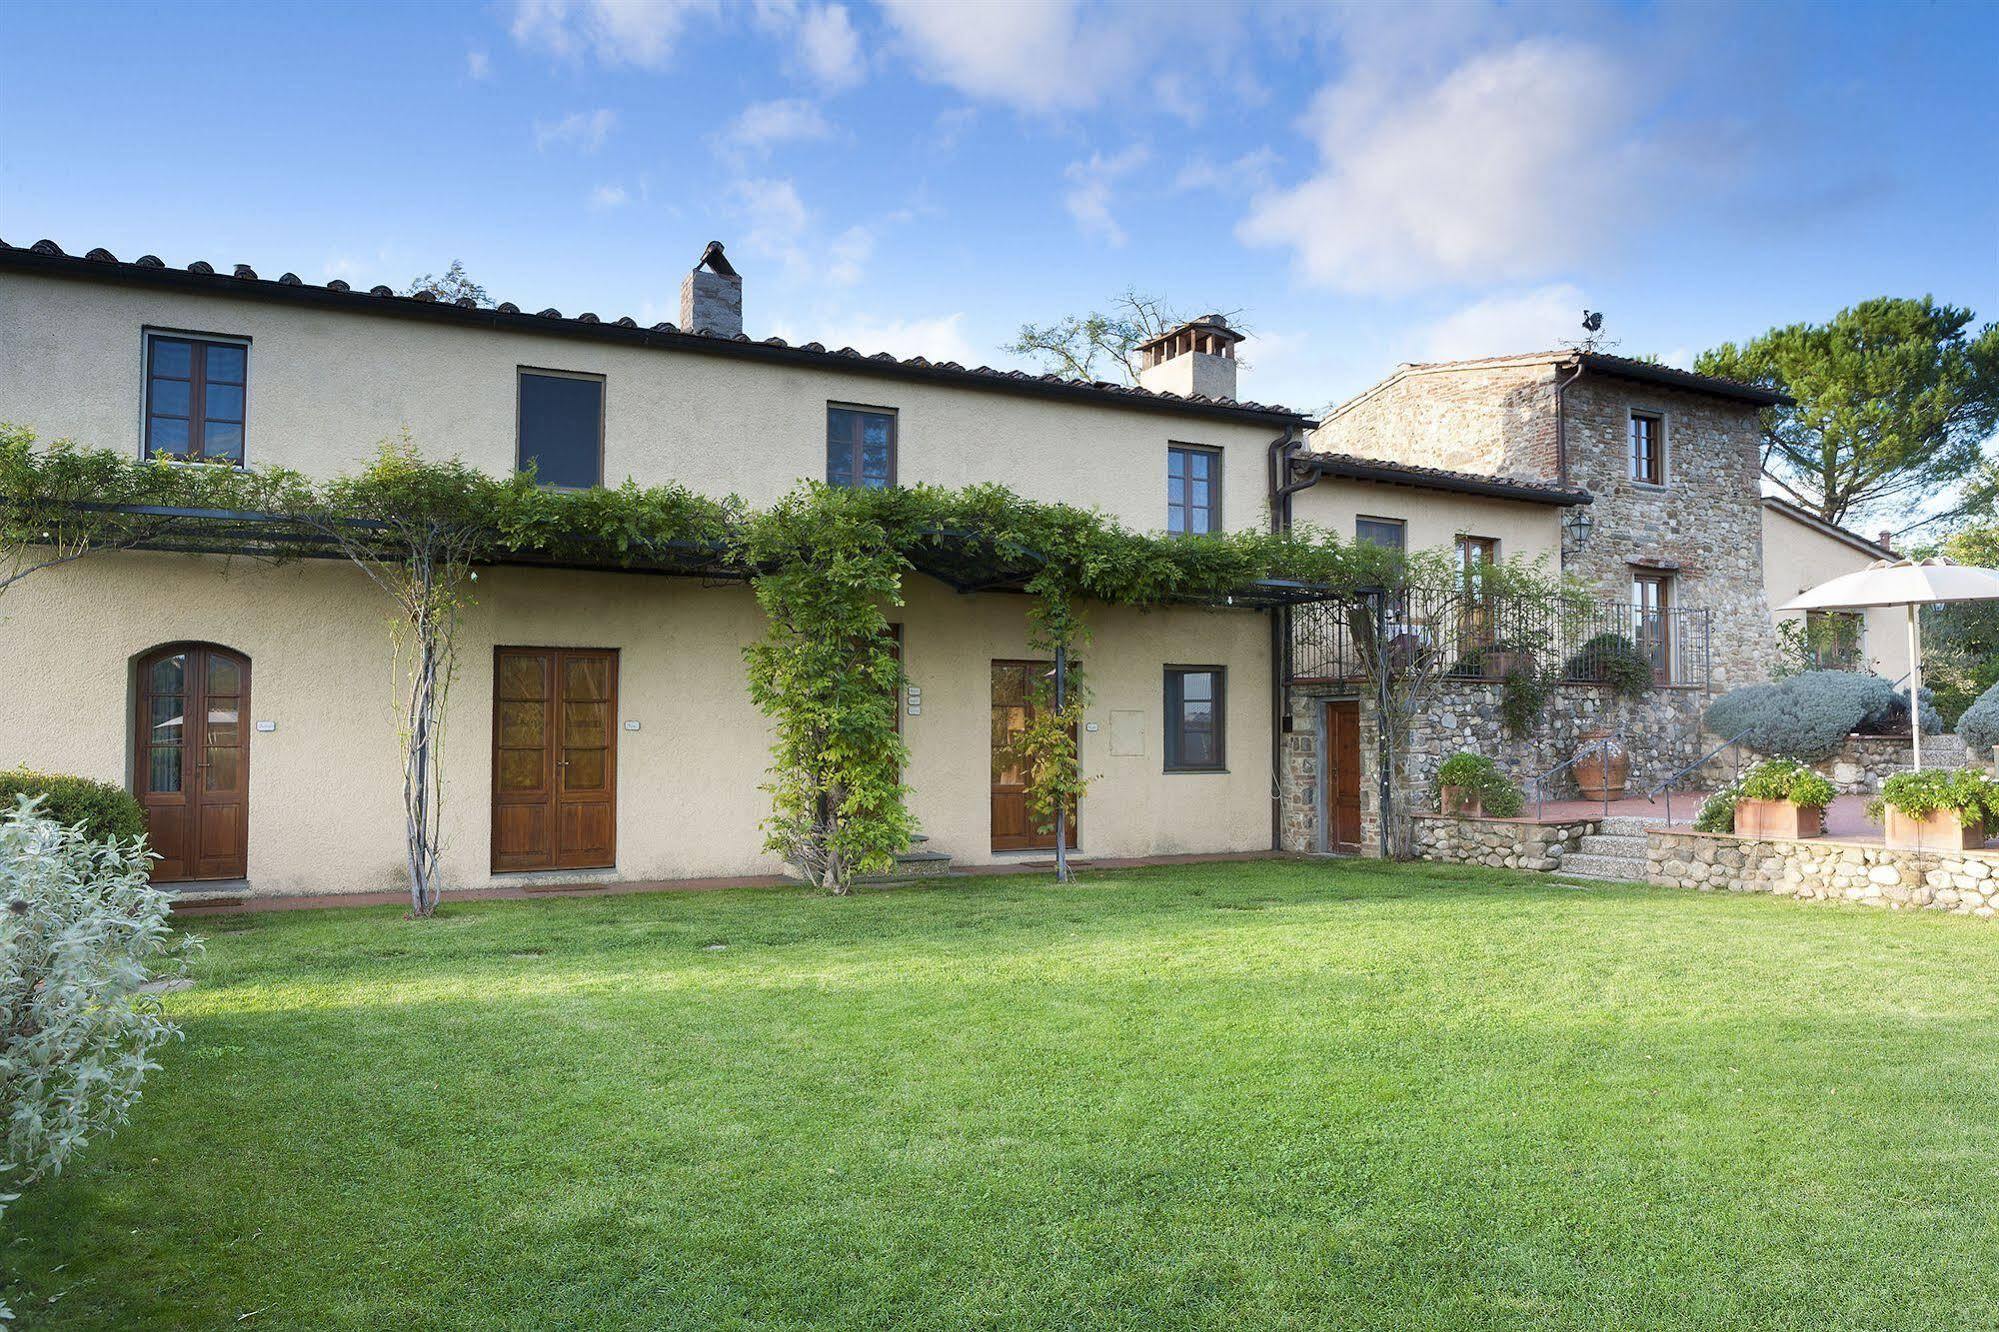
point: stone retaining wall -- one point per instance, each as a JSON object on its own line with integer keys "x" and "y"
{"x": 1500, "y": 843}
{"x": 1861, "y": 765}
{"x": 1962, "y": 881}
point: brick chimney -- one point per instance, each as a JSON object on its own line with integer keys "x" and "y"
{"x": 1195, "y": 359}
{"x": 711, "y": 296}
{"x": 1886, "y": 540}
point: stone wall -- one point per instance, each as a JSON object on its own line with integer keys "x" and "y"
{"x": 1491, "y": 420}
{"x": 1500, "y": 843}
{"x": 1815, "y": 868}
{"x": 1860, "y": 766}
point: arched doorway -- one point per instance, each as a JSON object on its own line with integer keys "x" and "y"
{"x": 192, "y": 760}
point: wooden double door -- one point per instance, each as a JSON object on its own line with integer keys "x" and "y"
{"x": 1013, "y": 693}
{"x": 192, "y": 761}
{"x": 555, "y": 758}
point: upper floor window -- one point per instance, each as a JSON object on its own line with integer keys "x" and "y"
{"x": 860, "y": 447}
{"x": 1193, "y": 489}
{"x": 1652, "y": 623}
{"x": 1474, "y": 553}
{"x": 1648, "y": 448}
{"x": 562, "y": 428}
{"x": 1194, "y": 718}
{"x": 195, "y": 398}
{"x": 1392, "y": 533}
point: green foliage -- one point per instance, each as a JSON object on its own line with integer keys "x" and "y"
{"x": 81, "y": 930}
{"x": 1830, "y": 642}
{"x": 453, "y": 285}
{"x": 1614, "y": 660}
{"x": 1967, "y": 792}
{"x": 1717, "y": 812}
{"x": 100, "y": 809}
{"x": 1497, "y": 795}
{"x": 1523, "y": 698}
{"x": 1786, "y": 779}
{"x": 1979, "y": 726}
{"x": 1961, "y": 638}
{"x": 1895, "y": 400}
{"x": 1811, "y": 714}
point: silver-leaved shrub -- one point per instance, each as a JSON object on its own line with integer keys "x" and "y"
{"x": 81, "y": 931}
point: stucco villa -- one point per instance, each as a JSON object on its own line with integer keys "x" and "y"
{"x": 601, "y": 728}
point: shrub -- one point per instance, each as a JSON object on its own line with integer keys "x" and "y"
{"x": 1967, "y": 793}
{"x": 80, "y": 931}
{"x": 1979, "y": 726}
{"x": 99, "y": 808}
{"x": 1523, "y": 697}
{"x": 1717, "y": 812}
{"x": 1786, "y": 779}
{"x": 1809, "y": 715}
{"x": 1497, "y": 796}
{"x": 1614, "y": 660}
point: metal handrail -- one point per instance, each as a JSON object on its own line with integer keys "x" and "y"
{"x": 1541, "y": 782}
{"x": 1671, "y": 778}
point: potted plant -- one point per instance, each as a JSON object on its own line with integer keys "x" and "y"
{"x": 1782, "y": 798}
{"x": 1472, "y": 786}
{"x": 1935, "y": 810}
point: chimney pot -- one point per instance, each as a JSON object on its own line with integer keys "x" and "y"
{"x": 1197, "y": 359}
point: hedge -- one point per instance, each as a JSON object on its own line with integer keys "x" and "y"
{"x": 102, "y": 809}
{"x": 1809, "y": 715}
{"x": 1979, "y": 726}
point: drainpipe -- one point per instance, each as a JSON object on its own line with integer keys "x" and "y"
{"x": 1277, "y": 462}
{"x": 1562, "y": 422}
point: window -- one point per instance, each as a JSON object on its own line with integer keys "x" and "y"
{"x": 860, "y": 447}
{"x": 1651, "y": 600}
{"x": 1389, "y": 532}
{"x": 1193, "y": 489}
{"x": 1194, "y": 718}
{"x": 195, "y": 398}
{"x": 1474, "y": 553}
{"x": 562, "y": 428}
{"x": 1833, "y": 639}
{"x": 1648, "y": 448}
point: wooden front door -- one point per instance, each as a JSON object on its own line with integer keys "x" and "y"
{"x": 555, "y": 758}
{"x": 1342, "y": 783}
{"x": 192, "y": 761}
{"x": 1014, "y": 687}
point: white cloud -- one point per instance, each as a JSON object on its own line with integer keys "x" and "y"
{"x": 850, "y": 252}
{"x": 606, "y": 197}
{"x": 823, "y": 40}
{"x": 1526, "y": 321}
{"x": 478, "y": 65}
{"x": 1249, "y": 174}
{"x": 585, "y": 130}
{"x": 1038, "y": 55}
{"x": 1091, "y": 184}
{"x": 617, "y": 32}
{"x": 941, "y": 338}
{"x": 1508, "y": 166}
{"x": 774, "y": 218}
{"x": 762, "y": 124}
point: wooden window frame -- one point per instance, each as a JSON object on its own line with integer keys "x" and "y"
{"x": 1662, "y": 665}
{"x": 197, "y": 393}
{"x": 521, "y": 372}
{"x": 1214, "y": 505}
{"x": 1399, "y": 524}
{"x": 1660, "y": 471}
{"x": 1175, "y": 700}
{"x": 894, "y": 416}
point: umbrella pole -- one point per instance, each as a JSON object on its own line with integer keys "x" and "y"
{"x": 1916, "y": 683}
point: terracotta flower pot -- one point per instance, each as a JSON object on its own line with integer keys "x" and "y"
{"x": 1777, "y": 819}
{"x": 1603, "y": 766}
{"x": 1944, "y": 830}
{"x": 1462, "y": 801}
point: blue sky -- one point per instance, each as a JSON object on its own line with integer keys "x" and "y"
{"x": 1368, "y": 184}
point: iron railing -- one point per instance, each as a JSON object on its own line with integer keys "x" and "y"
{"x": 1474, "y": 636}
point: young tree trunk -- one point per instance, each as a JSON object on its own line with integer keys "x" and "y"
{"x": 422, "y": 770}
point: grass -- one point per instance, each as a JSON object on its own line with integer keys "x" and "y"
{"x": 1240, "y": 1095}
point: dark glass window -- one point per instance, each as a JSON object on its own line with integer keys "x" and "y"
{"x": 562, "y": 429}
{"x": 1648, "y": 457}
{"x": 1194, "y": 721}
{"x": 1389, "y": 532}
{"x": 1651, "y": 604}
{"x": 1193, "y": 489}
{"x": 860, "y": 448}
{"x": 195, "y": 399}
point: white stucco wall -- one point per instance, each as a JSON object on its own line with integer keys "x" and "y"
{"x": 325, "y": 806}
{"x": 1798, "y": 557}
{"x": 1434, "y": 517}
{"x": 326, "y": 388}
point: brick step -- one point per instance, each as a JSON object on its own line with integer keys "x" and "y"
{"x": 1616, "y": 845}
{"x": 1615, "y": 869}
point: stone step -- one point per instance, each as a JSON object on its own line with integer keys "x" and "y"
{"x": 1618, "y": 869}
{"x": 1625, "y": 825}
{"x": 914, "y": 864}
{"x": 1615, "y": 844}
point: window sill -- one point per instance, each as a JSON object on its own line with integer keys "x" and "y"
{"x": 1196, "y": 772}
{"x": 1651, "y": 487}
{"x": 194, "y": 462}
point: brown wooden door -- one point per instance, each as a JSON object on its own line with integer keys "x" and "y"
{"x": 1342, "y": 784}
{"x": 192, "y": 761}
{"x": 555, "y": 758}
{"x": 1014, "y": 687}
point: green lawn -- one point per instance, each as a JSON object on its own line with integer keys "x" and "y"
{"x": 1234, "y": 1095}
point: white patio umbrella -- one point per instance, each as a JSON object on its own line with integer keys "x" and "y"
{"x": 1911, "y": 583}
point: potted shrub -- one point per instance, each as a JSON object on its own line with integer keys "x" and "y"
{"x": 1782, "y": 798}
{"x": 1472, "y": 786}
{"x": 1935, "y": 810}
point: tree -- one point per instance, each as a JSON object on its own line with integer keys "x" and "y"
{"x": 453, "y": 286}
{"x": 1961, "y": 638}
{"x": 1076, "y": 346}
{"x": 1895, "y": 399}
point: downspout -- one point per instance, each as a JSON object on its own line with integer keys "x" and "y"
{"x": 1277, "y": 464}
{"x": 1562, "y": 423}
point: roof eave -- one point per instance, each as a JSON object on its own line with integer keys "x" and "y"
{"x": 1387, "y": 473}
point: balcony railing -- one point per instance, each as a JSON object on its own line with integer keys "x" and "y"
{"x": 1473, "y": 636}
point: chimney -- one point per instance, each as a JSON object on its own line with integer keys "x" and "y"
{"x": 711, "y": 296}
{"x": 1886, "y": 540}
{"x": 1196, "y": 359}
